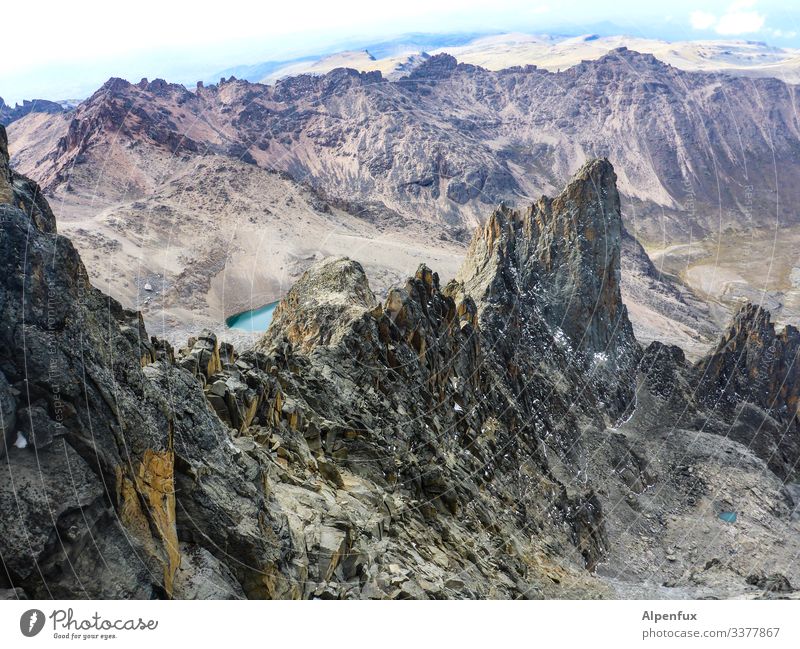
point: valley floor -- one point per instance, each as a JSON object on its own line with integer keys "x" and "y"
{"x": 666, "y": 538}
{"x": 759, "y": 265}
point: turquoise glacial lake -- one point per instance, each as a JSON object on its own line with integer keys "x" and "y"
{"x": 253, "y": 320}
{"x": 728, "y": 517}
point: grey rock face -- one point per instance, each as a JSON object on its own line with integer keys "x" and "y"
{"x": 745, "y": 389}
{"x": 8, "y": 413}
{"x": 560, "y": 260}
{"x": 221, "y": 491}
{"x": 321, "y": 304}
{"x": 202, "y": 576}
{"x": 755, "y": 364}
{"x": 22, "y": 192}
{"x": 74, "y": 391}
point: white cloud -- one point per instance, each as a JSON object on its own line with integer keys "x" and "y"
{"x": 739, "y": 18}
{"x": 740, "y": 22}
{"x": 702, "y": 19}
{"x": 89, "y": 31}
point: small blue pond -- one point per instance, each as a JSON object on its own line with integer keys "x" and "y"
{"x": 254, "y": 320}
{"x": 728, "y": 517}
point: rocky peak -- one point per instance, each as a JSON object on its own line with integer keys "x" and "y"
{"x": 383, "y": 389}
{"x": 9, "y": 114}
{"x": 342, "y": 78}
{"x": 752, "y": 359}
{"x": 337, "y": 80}
{"x": 6, "y": 193}
{"x": 757, "y": 365}
{"x": 559, "y": 260}
{"x": 578, "y": 250}
{"x": 318, "y": 308}
{"x": 121, "y": 112}
{"x": 565, "y": 250}
{"x": 623, "y": 70}
{"x": 113, "y": 85}
{"x": 625, "y": 56}
{"x": 159, "y": 86}
{"x": 439, "y": 66}
{"x": 486, "y": 272}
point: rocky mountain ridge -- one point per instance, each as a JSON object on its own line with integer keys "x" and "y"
{"x": 421, "y": 159}
{"x": 745, "y": 58}
{"x": 10, "y": 114}
{"x": 471, "y": 440}
{"x": 506, "y": 138}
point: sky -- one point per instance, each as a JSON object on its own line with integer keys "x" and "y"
{"x": 65, "y": 50}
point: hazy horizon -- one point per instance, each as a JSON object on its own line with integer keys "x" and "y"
{"x": 89, "y": 45}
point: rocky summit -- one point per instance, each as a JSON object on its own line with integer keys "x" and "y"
{"x": 500, "y": 436}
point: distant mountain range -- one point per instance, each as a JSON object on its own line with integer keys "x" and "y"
{"x": 549, "y": 51}
{"x": 496, "y": 51}
{"x": 404, "y": 46}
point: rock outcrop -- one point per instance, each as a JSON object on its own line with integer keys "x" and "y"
{"x": 87, "y": 493}
{"x": 22, "y": 192}
{"x": 744, "y": 389}
{"x": 320, "y": 306}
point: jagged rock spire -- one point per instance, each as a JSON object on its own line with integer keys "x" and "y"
{"x": 755, "y": 364}
{"x": 6, "y": 192}
{"x": 578, "y": 249}
{"x": 560, "y": 260}
{"x": 567, "y": 248}
{"x": 755, "y": 361}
